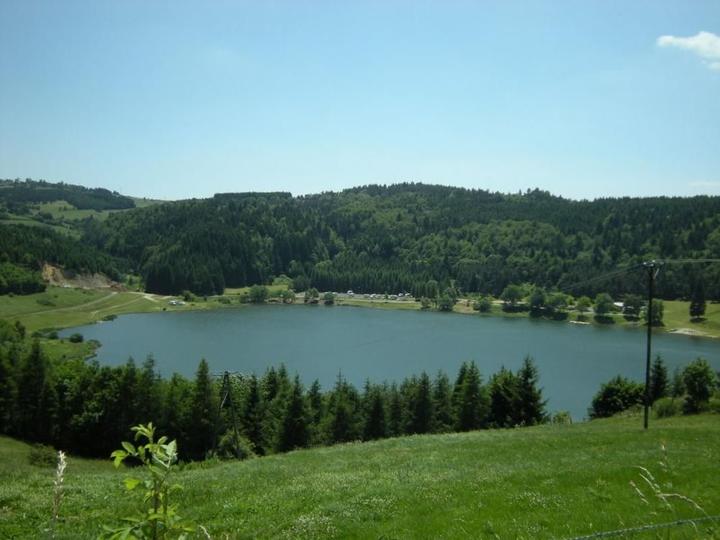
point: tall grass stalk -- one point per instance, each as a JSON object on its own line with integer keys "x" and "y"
{"x": 58, "y": 486}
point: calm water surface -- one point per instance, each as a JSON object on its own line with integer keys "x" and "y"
{"x": 318, "y": 342}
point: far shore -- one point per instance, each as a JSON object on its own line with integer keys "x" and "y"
{"x": 59, "y": 308}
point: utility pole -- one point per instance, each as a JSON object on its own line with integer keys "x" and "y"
{"x": 652, "y": 267}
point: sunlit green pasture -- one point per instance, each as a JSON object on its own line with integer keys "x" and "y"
{"x": 544, "y": 482}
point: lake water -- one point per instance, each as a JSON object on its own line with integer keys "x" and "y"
{"x": 318, "y": 342}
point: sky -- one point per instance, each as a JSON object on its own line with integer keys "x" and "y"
{"x": 186, "y": 99}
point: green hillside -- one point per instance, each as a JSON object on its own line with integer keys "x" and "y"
{"x": 542, "y": 482}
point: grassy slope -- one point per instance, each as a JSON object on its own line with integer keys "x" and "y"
{"x": 544, "y": 482}
{"x": 74, "y": 307}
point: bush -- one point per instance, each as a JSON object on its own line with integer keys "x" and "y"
{"x": 282, "y": 279}
{"x": 53, "y": 335}
{"x": 667, "y": 406}
{"x": 76, "y": 338}
{"x": 482, "y": 304}
{"x": 615, "y": 396}
{"x": 446, "y": 303}
{"x": 110, "y": 317}
{"x": 714, "y": 404}
{"x": 300, "y": 283}
{"x": 231, "y": 447}
{"x": 224, "y": 300}
{"x": 258, "y": 294}
{"x": 42, "y": 456}
{"x": 699, "y": 381}
{"x": 311, "y": 296}
{"x": 562, "y": 417}
{"x": 329, "y": 299}
{"x": 188, "y": 296}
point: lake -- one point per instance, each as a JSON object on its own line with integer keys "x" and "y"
{"x": 318, "y": 342}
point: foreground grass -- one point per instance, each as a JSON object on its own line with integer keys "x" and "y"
{"x": 543, "y": 482}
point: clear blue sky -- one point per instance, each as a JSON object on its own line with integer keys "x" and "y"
{"x": 179, "y": 99}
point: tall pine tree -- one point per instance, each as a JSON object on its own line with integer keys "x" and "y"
{"x": 531, "y": 406}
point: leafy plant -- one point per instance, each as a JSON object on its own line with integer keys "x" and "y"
{"x": 157, "y": 518}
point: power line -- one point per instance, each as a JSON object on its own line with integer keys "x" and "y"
{"x": 652, "y": 268}
{"x": 602, "y": 277}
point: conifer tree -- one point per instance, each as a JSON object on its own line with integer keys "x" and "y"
{"x": 31, "y": 387}
{"x": 7, "y": 394}
{"x": 127, "y": 410}
{"x": 503, "y": 399}
{"x": 175, "y": 408}
{"x": 316, "y": 411}
{"x": 395, "y": 412}
{"x": 473, "y": 406}
{"x": 458, "y": 387}
{"x": 252, "y": 415}
{"x": 343, "y": 426}
{"x": 376, "y": 419}
{"x": 442, "y": 398}
{"x": 531, "y": 406}
{"x": 421, "y": 407}
{"x": 658, "y": 380}
{"x": 147, "y": 393}
{"x": 697, "y": 300}
{"x": 204, "y": 407}
{"x": 678, "y": 384}
{"x": 294, "y": 431}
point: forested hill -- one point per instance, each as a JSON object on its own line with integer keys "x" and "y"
{"x": 397, "y": 238}
{"x": 16, "y": 194}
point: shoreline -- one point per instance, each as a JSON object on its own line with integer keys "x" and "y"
{"x": 104, "y": 305}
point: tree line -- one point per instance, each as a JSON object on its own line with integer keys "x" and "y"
{"x": 87, "y": 408}
{"x": 397, "y": 238}
{"x": 693, "y": 389}
{"x": 16, "y": 194}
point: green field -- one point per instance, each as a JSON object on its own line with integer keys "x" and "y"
{"x": 676, "y": 316}
{"x": 64, "y": 307}
{"x": 542, "y": 482}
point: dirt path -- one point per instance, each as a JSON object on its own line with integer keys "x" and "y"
{"x": 94, "y": 313}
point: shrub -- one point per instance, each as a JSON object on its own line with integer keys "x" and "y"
{"x": 329, "y": 298}
{"x": 667, "y": 406}
{"x": 311, "y": 296}
{"x": 110, "y": 317}
{"x": 42, "y": 456}
{"x": 425, "y": 303}
{"x": 482, "y": 304}
{"x": 714, "y": 404}
{"x": 615, "y": 396}
{"x": 562, "y": 417}
{"x": 76, "y": 338}
{"x": 232, "y": 447}
{"x": 446, "y": 303}
{"x": 258, "y": 294}
{"x": 699, "y": 381}
{"x": 224, "y": 300}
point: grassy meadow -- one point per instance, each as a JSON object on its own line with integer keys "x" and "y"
{"x": 551, "y": 481}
